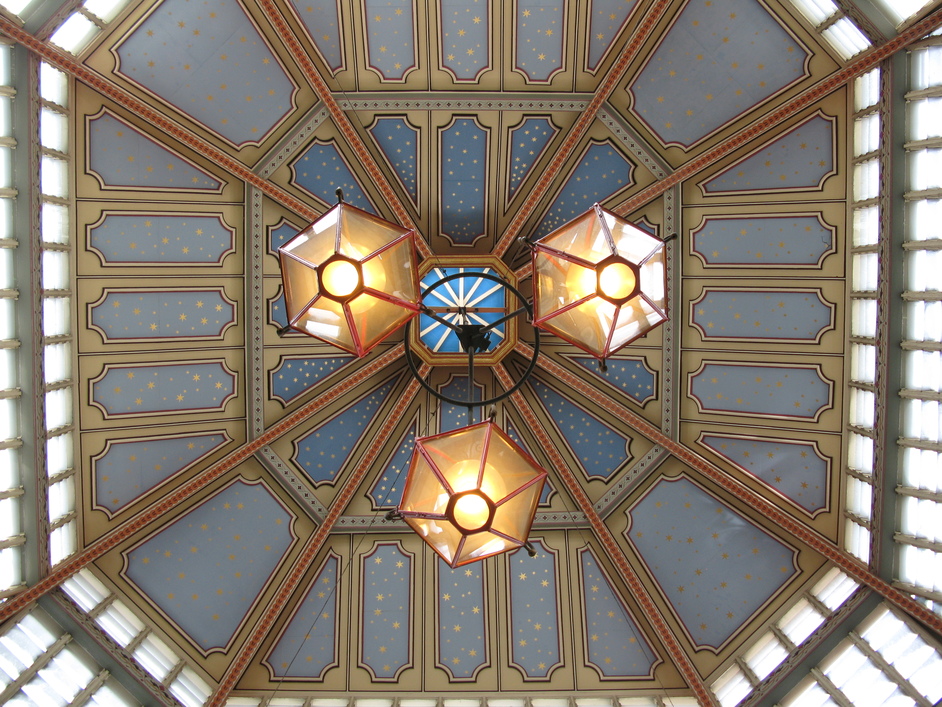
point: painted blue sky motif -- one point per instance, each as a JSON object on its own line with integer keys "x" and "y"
{"x": 385, "y": 589}
{"x": 129, "y": 469}
{"x": 627, "y": 374}
{"x": 778, "y": 391}
{"x": 309, "y": 643}
{"x": 714, "y": 566}
{"x": 451, "y": 417}
{"x": 462, "y": 292}
{"x": 465, "y": 37}
{"x": 716, "y": 61}
{"x": 320, "y": 19}
{"x": 280, "y": 234}
{"x": 321, "y": 169}
{"x": 206, "y": 568}
{"x": 182, "y": 53}
{"x": 387, "y": 491}
{"x": 763, "y": 241}
{"x": 794, "y": 469}
{"x": 534, "y": 612}
{"x": 800, "y": 159}
{"x": 295, "y": 374}
{"x": 163, "y": 388}
{"x": 124, "y": 315}
{"x": 548, "y": 489}
{"x": 277, "y": 311}
{"x": 323, "y": 451}
{"x": 461, "y": 629}
{"x": 614, "y": 643}
{"x": 463, "y": 180}
{"x": 390, "y": 37}
{"x": 607, "y": 19}
{"x": 144, "y": 239}
{"x": 399, "y": 142}
{"x": 602, "y": 171}
{"x": 762, "y": 314}
{"x": 599, "y": 449}
{"x": 527, "y": 142}
{"x": 540, "y": 34}
{"x": 123, "y": 157}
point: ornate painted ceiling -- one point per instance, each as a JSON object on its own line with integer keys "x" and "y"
{"x": 257, "y": 468}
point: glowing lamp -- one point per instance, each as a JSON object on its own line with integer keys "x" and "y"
{"x": 471, "y": 493}
{"x": 599, "y": 282}
{"x": 350, "y": 279}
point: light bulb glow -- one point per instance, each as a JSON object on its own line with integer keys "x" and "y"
{"x": 580, "y": 282}
{"x": 339, "y": 278}
{"x": 471, "y": 511}
{"x": 617, "y": 281}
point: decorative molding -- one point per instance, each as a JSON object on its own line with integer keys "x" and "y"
{"x": 292, "y": 142}
{"x": 255, "y": 307}
{"x": 628, "y": 481}
{"x": 558, "y": 102}
{"x": 634, "y": 144}
{"x": 298, "y": 488}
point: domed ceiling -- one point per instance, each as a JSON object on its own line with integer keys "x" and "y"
{"x": 255, "y": 470}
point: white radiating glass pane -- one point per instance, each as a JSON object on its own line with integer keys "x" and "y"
{"x": 923, "y": 370}
{"x": 9, "y": 517}
{"x": 59, "y": 453}
{"x": 926, "y": 67}
{"x": 922, "y": 469}
{"x": 155, "y": 657}
{"x": 62, "y": 542}
{"x": 800, "y": 621}
{"x": 8, "y": 418}
{"x": 808, "y": 694}
{"x": 859, "y": 497}
{"x": 57, "y": 362}
{"x": 901, "y": 10}
{"x": 11, "y": 573}
{"x": 85, "y": 590}
{"x": 731, "y": 687}
{"x": 9, "y": 469}
{"x": 924, "y": 169}
{"x": 924, "y": 118}
{"x": 867, "y": 226}
{"x": 119, "y": 623}
{"x": 863, "y": 366}
{"x": 112, "y": 694}
{"x": 860, "y": 453}
{"x": 6, "y": 116}
{"x": 55, "y": 223}
{"x": 923, "y": 321}
{"x": 765, "y": 655}
{"x": 867, "y": 180}
{"x": 7, "y": 318}
{"x": 834, "y": 588}
{"x": 53, "y": 130}
{"x": 53, "y": 85}
{"x": 54, "y": 177}
{"x": 75, "y": 33}
{"x": 7, "y": 369}
{"x": 57, "y": 316}
{"x": 922, "y": 270}
{"x": 16, "y": 6}
{"x": 846, "y": 38}
{"x": 867, "y": 90}
{"x": 816, "y": 10}
{"x": 920, "y": 566}
{"x": 863, "y": 317}
{"x": 867, "y": 134}
{"x": 67, "y": 674}
{"x": 58, "y": 408}
{"x": 921, "y": 517}
{"x": 857, "y": 540}
{"x": 55, "y": 265}
{"x": 6, "y": 218}
{"x": 925, "y": 219}
{"x": 865, "y": 272}
{"x": 921, "y": 420}
{"x": 862, "y": 407}
{"x": 6, "y": 167}
{"x": 61, "y": 498}
{"x": 105, "y": 10}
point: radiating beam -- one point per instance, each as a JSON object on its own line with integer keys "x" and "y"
{"x": 846, "y": 562}
{"x": 858, "y": 67}
{"x": 313, "y": 546}
{"x": 107, "y": 88}
{"x": 157, "y": 511}
{"x": 615, "y": 552}
{"x": 340, "y": 118}
{"x": 629, "y": 52}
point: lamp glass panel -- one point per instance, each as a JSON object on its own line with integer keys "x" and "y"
{"x": 440, "y": 534}
{"x": 325, "y": 319}
{"x": 513, "y": 518}
{"x": 316, "y": 242}
{"x": 653, "y": 274}
{"x": 635, "y": 317}
{"x": 631, "y": 242}
{"x": 513, "y": 467}
{"x": 481, "y": 545}
{"x": 560, "y": 282}
{"x": 375, "y": 318}
{"x": 424, "y": 492}
{"x": 587, "y": 325}
{"x": 392, "y": 272}
{"x": 458, "y": 456}
{"x": 362, "y": 234}
{"x": 582, "y": 237}
{"x": 300, "y": 285}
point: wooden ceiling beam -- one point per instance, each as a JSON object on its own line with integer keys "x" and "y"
{"x": 810, "y": 537}
{"x": 313, "y": 546}
{"x": 629, "y": 52}
{"x": 157, "y": 511}
{"x": 867, "y": 61}
{"x": 615, "y": 552}
{"x": 340, "y": 118}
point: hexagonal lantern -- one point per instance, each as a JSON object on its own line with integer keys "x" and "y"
{"x": 350, "y": 279}
{"x": 599, "y": 282}
{"x": 471, "y": 493}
